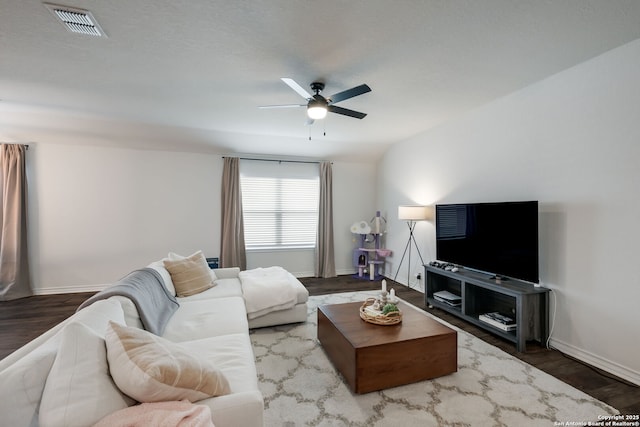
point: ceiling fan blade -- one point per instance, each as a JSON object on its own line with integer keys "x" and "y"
{"x": 349, "y": 93}
{"x": 346, "y": 112}
{"x": 295, "y": 86}
{"x": 282, "y": 106}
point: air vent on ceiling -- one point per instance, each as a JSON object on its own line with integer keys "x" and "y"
{"x": 76, "y": 20}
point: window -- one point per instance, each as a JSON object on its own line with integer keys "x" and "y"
{"x": 279, "y": 204}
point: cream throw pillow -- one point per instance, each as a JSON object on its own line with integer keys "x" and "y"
{"x": 150, "y": 368}
{"x": 190, "y": 275}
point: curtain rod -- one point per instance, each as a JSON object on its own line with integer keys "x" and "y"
{"x": 26, "y": 146}
{"x": 277, "y": 160}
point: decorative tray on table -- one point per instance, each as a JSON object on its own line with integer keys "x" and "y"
{"x": 372, "y": 315}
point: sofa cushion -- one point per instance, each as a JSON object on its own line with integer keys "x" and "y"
{"x": 152, "y": 369}
{"x": 22, "y": 385}
{"x": 223, "y": 288}
{"x": 24, "y": 373}
{"x": 79, "y": 390}
{"x": 233, "y": 354}
{"x": 227, "y": 272}
{"x": 200, "y": 319}
{"x": 190, "y": 275}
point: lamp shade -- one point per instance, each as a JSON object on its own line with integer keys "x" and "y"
{"x": 413, "y": 213}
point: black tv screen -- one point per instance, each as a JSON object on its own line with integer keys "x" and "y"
{"x": 496, "y": 238}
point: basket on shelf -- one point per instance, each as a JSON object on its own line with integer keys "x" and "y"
{"x": 373, "y": 316}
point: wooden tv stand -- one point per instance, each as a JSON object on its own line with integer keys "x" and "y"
{"x": 527, "y": 304}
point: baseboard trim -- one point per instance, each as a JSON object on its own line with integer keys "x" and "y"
{"x": 301, "y": 274}
{"x": 596, "y": 361}
{"x": 71, "y": 289}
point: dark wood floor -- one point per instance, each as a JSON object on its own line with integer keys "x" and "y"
{"x": 23, "y": 320}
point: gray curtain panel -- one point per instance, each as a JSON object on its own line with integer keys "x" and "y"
{"x": 232, "y": 249}
{"x": 14, "y": 263}
{"x": 325, "y": 257}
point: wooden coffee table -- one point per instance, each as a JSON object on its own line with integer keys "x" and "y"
{"x": 374, "y": 357}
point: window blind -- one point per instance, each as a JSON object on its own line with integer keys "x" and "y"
{"x": 279, "y": 204}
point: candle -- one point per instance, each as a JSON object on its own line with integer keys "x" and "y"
{"x": 384, "y": 285}
{"x": 393, "y": 294}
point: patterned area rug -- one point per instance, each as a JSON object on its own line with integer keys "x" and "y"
{"x": 491, "y": 388}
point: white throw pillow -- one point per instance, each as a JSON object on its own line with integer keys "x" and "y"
{"x": 79, "y": 390}
{"x": 150, "y": 368}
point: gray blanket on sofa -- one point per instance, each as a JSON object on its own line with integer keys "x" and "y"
{"x": 145, "y": 287}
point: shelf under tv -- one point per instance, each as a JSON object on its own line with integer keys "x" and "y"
{"x": 480, "y": 294}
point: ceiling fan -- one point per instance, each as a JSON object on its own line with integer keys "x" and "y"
{"x": 317, "y": 105}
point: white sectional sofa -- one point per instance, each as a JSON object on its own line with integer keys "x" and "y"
{"x": 211, "y": 325}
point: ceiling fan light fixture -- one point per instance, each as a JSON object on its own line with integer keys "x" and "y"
{"x": 316, "y": 110}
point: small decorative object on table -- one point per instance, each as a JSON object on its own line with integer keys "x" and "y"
{"x": 389, "y": 314}
{"x": 383, "y": 299}
{"x": 392, "y": 296}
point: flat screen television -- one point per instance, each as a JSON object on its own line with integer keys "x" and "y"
{"x": 495, "y": 238}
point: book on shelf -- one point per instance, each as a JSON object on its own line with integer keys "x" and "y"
{"x": 498, "y": 320}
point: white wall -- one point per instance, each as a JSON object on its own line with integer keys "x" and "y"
{"x": 354, "y": 199}
{"x": 97, "y": 213}
{"x": 572, "y": 142}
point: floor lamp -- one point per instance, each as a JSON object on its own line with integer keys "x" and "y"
{"x": 411, "y": 214}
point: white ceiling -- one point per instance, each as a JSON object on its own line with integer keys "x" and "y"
{"x": 189, "y": 74}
